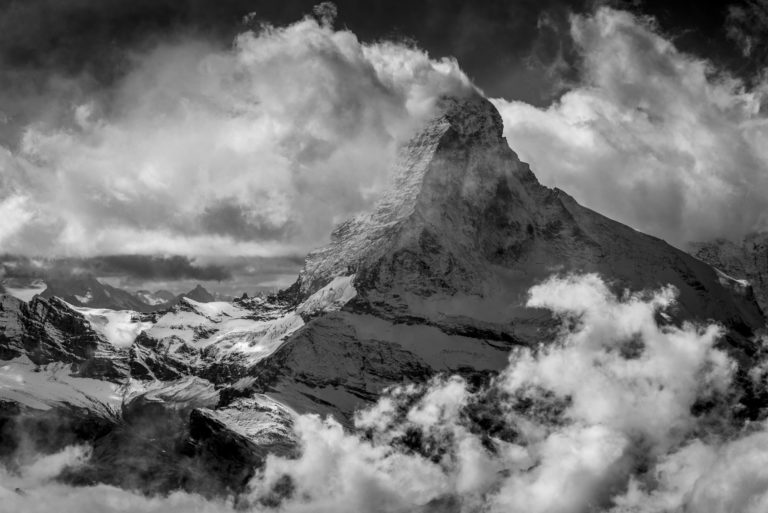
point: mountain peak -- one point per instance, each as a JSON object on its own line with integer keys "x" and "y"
{"x": 471, "y": 116}
{"x": 200, "y": 295}
{"x": 454, "y": 173}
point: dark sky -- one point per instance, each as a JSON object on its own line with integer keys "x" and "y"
{"x": 505, "y": 46}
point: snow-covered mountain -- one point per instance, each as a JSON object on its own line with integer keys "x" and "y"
{"x": 433, "y": 279}
{"x": 158, "y": 297}
{"x": 86, "y": 290}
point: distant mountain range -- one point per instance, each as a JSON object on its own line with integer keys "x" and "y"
{"x": 87, "y": 291}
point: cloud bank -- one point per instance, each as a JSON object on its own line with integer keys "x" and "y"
{"x": 258, "y": 149}
{"x": 622, "y": 414}
{"x": 653, "y": 137}
{"x": 262, "y": 147}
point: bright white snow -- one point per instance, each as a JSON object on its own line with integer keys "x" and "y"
{"x": 119, "y": 327}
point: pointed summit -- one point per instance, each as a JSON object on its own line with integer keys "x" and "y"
{"x": 466, "y": 227}
{"x": 200, "y": 295}
{"x": 473, "y": 116}
{"x": 86, "y": 291}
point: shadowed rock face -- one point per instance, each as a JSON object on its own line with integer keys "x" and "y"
{"x": 432, "y": 280}
{"x": 747, "y": 260}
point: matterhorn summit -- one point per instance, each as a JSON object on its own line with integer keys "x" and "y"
{"x": 433, "y": 280}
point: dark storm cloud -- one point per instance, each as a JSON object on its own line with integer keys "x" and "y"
{"x": 747, "y": 26}
{"x": 228, "y": 217}
{"x": 492, "y": 39}
{"x": 137, "y": 267}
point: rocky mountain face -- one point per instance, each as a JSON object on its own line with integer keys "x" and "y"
{"x": 746, "y": 261}
{"x": 432, "y": 280}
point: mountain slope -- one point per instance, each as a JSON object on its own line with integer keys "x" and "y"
{"x": 433, "y": 280}
{"x": 441, "y": 267}
{"x": 747, "y": 260}
{"x": 467, "y": 229}
{"x": 85, "y": 290}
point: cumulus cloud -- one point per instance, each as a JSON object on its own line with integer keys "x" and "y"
{"x": 31, "y": 488}
{"x": 652, "y": 137}
{"x": 260, "y": 148}
{"x": 623, "y": 413}
{"x": 592, "y": 423}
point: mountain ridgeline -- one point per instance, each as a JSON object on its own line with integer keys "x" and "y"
{"x": 85, "y": 290}
{"x": 432, "y": 280}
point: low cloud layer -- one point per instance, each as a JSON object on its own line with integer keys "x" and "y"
{"x": 254, "y": 150}
{"x": 622, "y": 414}
{"x": 652, "y": 137}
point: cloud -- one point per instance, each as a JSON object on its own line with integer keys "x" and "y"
{"x": 260, "y": 148}
{"x": 653, "y": 137}
{"x": 32, "y": 488}
{"x": 747, "y": 25}
{"x": 623, "y": 413}
{"x": 137, "y": 267}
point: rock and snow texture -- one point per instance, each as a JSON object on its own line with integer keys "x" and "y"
{"x": 434, "y": 279}
{"x": 157, "y": 298}
{"x": 86, "y": 290}
{"x": 743, "y": 261}
{"x": 466, "y": 229}
{"x": 45, "y": 387}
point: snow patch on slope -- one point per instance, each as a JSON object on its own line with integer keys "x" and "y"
{"x": 44, "y": 387}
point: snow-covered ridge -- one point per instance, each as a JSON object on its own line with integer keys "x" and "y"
{"x": 44, "y": 387}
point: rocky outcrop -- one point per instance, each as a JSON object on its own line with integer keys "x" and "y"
{"x": 746, "y": 260}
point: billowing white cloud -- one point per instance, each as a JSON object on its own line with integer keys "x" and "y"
{"x": 609, "y": 405}
{"x": 602, "y": 420}
{"x": 258, "y": 149}
{"x": 652, "y": 137}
